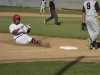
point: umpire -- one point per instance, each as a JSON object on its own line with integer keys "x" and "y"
{"x": 52, "y": 12}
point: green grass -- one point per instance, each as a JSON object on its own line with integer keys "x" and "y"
{"x": 50, "y": 68}
{"x": 35, "y": 10}
{"x": 69, "y": 28}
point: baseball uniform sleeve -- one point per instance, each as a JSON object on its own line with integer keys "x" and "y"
{"x": 83, "y": 9}
{"x": 97, "y": 6}
{"x": 25, "y": 29}
{"x": 12, "y": 28}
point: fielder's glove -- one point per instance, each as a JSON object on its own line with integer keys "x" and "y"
{"x": 44, "y": 7}
{"x": 28, "y": 25}
{"x": 83, "y": 26}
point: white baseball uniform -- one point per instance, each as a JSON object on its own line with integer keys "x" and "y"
{"x": 91, "y": 8}
{"x": 43, "y": 4}
{"x": 21, "y": 37}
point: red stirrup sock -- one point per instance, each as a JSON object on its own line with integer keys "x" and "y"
{"x": 34, "y": 40}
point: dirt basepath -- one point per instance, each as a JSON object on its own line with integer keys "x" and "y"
{"x": 11, "y": 52}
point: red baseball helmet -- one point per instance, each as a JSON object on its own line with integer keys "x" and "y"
{"x": 16, "y": 17}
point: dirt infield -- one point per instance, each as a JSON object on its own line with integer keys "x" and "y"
{"x": 11, "y": 52}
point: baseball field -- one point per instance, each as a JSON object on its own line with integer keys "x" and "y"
{"x": 50, "y": 59}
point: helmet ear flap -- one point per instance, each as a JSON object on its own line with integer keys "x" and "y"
{"x": 16, "y": 17}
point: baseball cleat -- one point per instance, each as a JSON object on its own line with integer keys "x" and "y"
{"x": 39, "y": 42}
{"x": 57, "y": 23}
{"x": 44, "y": 21}
{"x": 96, "y": 47}
{"x": 89, "y": 44}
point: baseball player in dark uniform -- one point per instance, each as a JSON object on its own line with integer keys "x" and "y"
{"x": 90, "y": 12}
{"x": 52, "y": 12}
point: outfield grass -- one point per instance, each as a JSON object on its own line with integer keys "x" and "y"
{"x": 35, "y": 10}
{"x": 69, "y": 28}
{"x": 50, "y": 68}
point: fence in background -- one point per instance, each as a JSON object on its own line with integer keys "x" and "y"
{"x": 67, "y": 4}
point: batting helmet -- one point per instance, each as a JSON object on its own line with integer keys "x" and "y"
{"x": 16, "y": 17}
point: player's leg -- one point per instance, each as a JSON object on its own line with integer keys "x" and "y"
{"x": 96, "y": 27}
{"x": 25, "y": 39}
{"x": 39, "y": 42}
{"x": 93, "y": 29}
{"x": 32, "y": 40}
{"x": 22, "y": 40}
{"x": 44, "y": 9}
{"x": 40, "y": 9}
{"x": 48, "y": 19}
{"x": 90, "y": 31}
{"x": 55, "y": 17}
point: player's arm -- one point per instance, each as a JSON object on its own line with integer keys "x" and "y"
{"x": 83, "y": 14}
{"x": 40, "y": 4}
{"x": 97, "y": 7}
{"x": 28, "y": 30}
{"x": 15, "y": 31}
{"x": 45, "y": 4}
{"x": 49, "y": 9}
{"x": 49, "y": 6}
{"x": 99, "y": 12}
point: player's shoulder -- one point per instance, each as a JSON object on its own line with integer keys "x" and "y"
{"x": 12, "y": 24}
{"x": 90, "y": 1}
{"x": 51, "y": 2}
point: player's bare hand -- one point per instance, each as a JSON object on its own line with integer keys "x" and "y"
{"x": 84, "y": 21}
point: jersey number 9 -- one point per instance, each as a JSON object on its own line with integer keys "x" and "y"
{"x": 88, "y": 5}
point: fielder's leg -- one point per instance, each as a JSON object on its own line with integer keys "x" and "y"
{"x": 44, "y": 9}
{"x": 48, "y": 19}
{"x": 40, "y": 9}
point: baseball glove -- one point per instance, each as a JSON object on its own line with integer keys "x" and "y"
{"x": 83, "y": 26}
{"x": 44, "y": 7}
{"x": 28, "y": 25}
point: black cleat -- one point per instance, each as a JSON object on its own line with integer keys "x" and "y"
{"x": 95, "y": 47}
{"x": 57, "y": 23}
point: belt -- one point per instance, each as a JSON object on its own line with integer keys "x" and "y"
{"x": 18, "y": 36}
